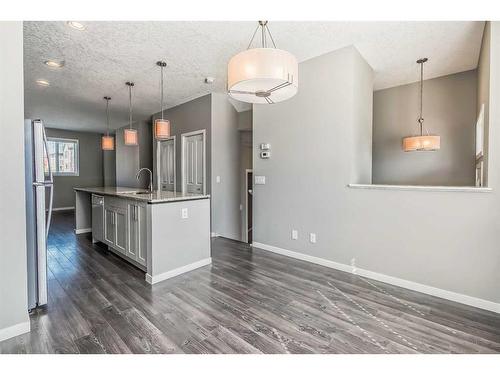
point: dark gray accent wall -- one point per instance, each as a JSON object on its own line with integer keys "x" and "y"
{"x": 91, "y": 166}
{"x": 129, "y": 159}
{"x": 184, "y": 118}
{"x": 449, "y": 110}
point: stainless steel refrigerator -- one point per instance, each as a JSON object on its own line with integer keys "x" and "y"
{"x": 39, "y": 183}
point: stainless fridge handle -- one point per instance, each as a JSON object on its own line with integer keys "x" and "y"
{"x": 51, "y": 179}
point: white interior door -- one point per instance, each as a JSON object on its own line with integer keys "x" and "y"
{"x": 194, "y": 163}
{"x": 166, "y": 164}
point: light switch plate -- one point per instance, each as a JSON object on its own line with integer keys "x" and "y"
{"x": 260, "y": 180}
{"x": 217, "y": 179}
{"x": 295, "y": 234}
{"x": 312, "y": 237}
{"x": 184, "y": 213}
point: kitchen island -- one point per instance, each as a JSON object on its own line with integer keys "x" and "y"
{"x": 164, "y": 233}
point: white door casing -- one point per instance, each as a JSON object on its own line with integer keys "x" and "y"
{"x": 194, "y": 162}
{"x": 165, "y": 164}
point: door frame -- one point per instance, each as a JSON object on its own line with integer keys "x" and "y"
{"x": 247, "y": 171}
{"x": 158, "y": 162}
{"x": 183, "y": 157}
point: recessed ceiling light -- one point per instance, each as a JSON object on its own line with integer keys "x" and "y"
{"x": 54, "y": 63}
{"x": 42, "y": 82}
{"x": 209, "y": 80}
{"x": 76, "y": 25}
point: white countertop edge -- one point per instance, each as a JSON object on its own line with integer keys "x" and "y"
{"x": 465, "y": 189}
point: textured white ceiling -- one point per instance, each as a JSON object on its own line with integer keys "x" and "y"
{"x": 102, "y": 58}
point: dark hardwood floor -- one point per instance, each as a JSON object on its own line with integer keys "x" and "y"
{"x": 247, "y": 301}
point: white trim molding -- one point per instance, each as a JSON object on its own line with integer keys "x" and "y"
{"x": 177, "y": 271}
{"x": 15, "y": 330}
{"x": 62, "y": 209}
{"x": 214, "y": 234}
{"x": 463, "y": 189}
{"x": 83, "y": 230}
{"x": 422, "y": 288}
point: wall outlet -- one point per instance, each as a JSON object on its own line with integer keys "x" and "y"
{"x": 260, "y": 180}
{"x": 353, "y": 265}
{"x": 217, "y": 179}
{"x": 241, "y": 207}
{"x": 184, "y": 213}
{"x": 295, "y": 234}
{"x": 312, "y": 237}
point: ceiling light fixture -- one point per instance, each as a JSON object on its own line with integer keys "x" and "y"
{"x": 130, "y": 134}
{"x": 162, "y": 126}
{"x": 42, "y": 82}
{"x": 263, "y": 75}
{"x": 76, "y": 25}
{"x": 54, "y": 63}
{"x": 107, "y": 141}
{"x": 422, "y": 142}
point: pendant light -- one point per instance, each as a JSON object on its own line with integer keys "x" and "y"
{"x": 422, "y": 142}
{"x": 162, "y": 126}
{"x": 107, "y": 141}
{"x": 130, "y": 134}
{"x": 263, "y": 75}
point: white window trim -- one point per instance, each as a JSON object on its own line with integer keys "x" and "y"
{"x": 77, "y": 156}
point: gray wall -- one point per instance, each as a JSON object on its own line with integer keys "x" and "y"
{"x": 226, "y": 219}
{"x": 483, "y": 93}
{"x": 184, "y": 118}
{"x": 129, "y": 159}
{"x": 109, "y": 168}
{"x": 245, "y": 120}
{"x": 449, "y": 111}
{"x": 90, "y": 166}
{"x": 447, "y": 240}
{"x": 246, "y": 162}
{"x": 13, "y": 277}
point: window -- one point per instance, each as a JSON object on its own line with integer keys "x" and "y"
{"x": 63, "y": 156}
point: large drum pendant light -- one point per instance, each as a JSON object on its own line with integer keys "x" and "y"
{"x": 162, "y": 126}
{"x": 422, "y": 142}
{"x": 130, "y": 134}
{"x": 263, "y": 75}
{"x": 107, "y": 141}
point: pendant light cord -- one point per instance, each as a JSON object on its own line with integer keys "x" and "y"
{"x": 264, "y": 31}
{"x": 130, "y": 84}
{"x": 420, "y": 119}
{"x": 161, "y": 99}
{"x": 107, "y": 114}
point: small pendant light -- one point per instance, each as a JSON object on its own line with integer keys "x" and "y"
{"x": 130, "y": 134}
{"x": 422, "y": 142}
{"x": 162, "y": 126}
{"x": 107, "y": 141}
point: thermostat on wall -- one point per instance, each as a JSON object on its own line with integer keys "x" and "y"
{"x": 265, "y": 154}
{"x": 265, "y": 146}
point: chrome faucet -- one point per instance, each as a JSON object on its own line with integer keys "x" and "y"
{"x": 150, "y": 187}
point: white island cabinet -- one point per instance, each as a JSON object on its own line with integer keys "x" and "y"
{"x": 162, "y": 233}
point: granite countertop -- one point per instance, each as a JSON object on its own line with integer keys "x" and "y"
{"x": 142, "y": 195}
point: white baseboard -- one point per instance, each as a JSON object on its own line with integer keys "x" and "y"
{"x": 177, "y": 271}
{"x": 63, "y": 209}
{"x": 213, "y": 234}
{"x": 83, "y": 230}
{"x": 422, "y": 288}
{"x": 15, "y": 330}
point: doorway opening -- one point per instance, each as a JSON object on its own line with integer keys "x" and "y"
{"x": 249, "y": 211}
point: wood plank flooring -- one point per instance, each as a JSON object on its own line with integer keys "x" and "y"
{"x": 247, "y": 301}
